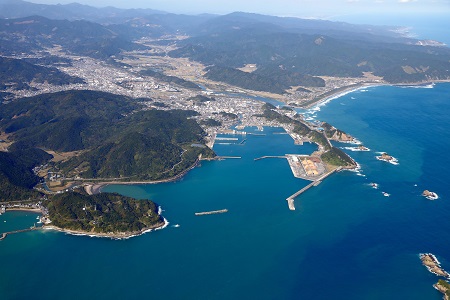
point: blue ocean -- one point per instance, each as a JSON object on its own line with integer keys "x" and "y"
{"x": 345, "y": 240}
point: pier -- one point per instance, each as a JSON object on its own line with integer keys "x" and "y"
{"x": 269, "y": 156}
{"x": 212, "y": 212}
{"x": 5, "y": 234}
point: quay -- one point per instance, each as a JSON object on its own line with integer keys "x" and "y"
{"x": 269, "y": 156}
{"x": 5, "y": 234}
{"x": 212, "y": 212}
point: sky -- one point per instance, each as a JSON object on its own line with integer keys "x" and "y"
{"x": 327, "y": 9}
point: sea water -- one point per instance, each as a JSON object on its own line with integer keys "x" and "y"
{"x": 345, "y": 240}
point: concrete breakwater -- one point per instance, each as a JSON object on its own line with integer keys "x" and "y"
{"x": 212, "y": 212}
{"x": 291, "y": 198}
{"x": 5, "y": 234}
{"x": 269, "y": 156}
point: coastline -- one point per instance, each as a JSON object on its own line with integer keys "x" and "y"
{"x": 34, "y": 210}
{"x": 92, "y": 189}
{"x": 342, "y": 91}
{"x": 111, "y": 235}
{"x": 339, "y": 92}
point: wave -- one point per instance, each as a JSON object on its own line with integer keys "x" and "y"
{"x": 426, "y": 86}
{"x": 356, "y": 149}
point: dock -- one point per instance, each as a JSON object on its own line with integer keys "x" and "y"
{"x": 212, "y": 212}
{"x": 5, "y": 234}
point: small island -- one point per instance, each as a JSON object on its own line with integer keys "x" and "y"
{"x": 432, "y": 264}
{"x": 102, "y": 215}
{"x": 387, "y": 158}
{"x": 359, "y": 148}
{"x": 443, "y": 287}
{"x": 430, "y": 195}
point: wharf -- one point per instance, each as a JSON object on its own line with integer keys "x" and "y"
{"x": 212, "y": 212}
{"x": 5, "y": 234}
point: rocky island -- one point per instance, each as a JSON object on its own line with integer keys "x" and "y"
{"x": 387, "y": 158}
{"x": 430, "y": 195}
{"x": 432, "y": 264}
{"x": 443, "y": 287}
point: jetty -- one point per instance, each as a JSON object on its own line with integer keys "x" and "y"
{"x": 269, "y": 156}
{"x": 5, "y": 234}
{"x": 226, "y": 139}
{"x": 212, "y": 212}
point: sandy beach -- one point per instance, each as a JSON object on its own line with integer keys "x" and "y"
{"x": 339, "y": 92}
{"x": 34, "y": 210}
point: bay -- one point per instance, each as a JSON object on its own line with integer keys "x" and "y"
{"x": 345, "y": 240}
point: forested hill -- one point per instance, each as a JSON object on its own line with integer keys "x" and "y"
{"x": 18, "y": 73}
{"x": 16, "y": 175}
{"x": 280, "y": 53}
{"x": 103, "y": 213}
{"x": 80, "y": 37}
{"x": 116, "y": 137}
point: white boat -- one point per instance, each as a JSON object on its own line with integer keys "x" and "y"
{"x": 386, "y": 194}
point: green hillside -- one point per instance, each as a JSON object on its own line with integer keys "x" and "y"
{"x": 117, "y": 138}
{"x": 14, "y": 72}
{"x": 102, "y": 213}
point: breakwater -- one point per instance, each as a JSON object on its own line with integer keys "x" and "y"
{"x": 5, "y": 234}
{"x": 212, "y": 212}
{"x": 269, "y": 156}
{"x": 291, "y": 198}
